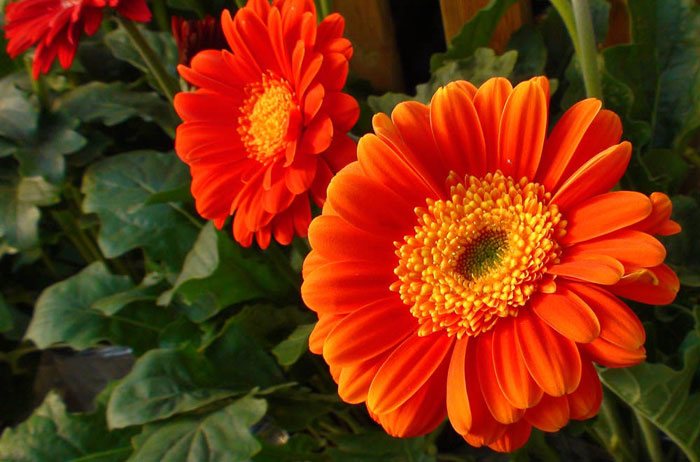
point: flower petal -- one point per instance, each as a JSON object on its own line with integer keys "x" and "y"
{"x": 550, "y": 415}
{"x": 604, "y": 214}
{"x": 610, "y": 355}
{"x": 586, "y": 400}
{"x": 566, "y": 313}
{"x": 502, "y": 410}
{"x": 458, "y": 409}
{"x": 522, "y": 130}
{"x": 599, "y": 269}
{"x": 553, "y": 361}
{"x": 632, "y": 248}
{"x": 657, "y": 286}
{"x": 513, "y": 377}
{"x": 406, "y": 370}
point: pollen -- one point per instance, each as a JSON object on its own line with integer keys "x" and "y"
{"x": 266, "y": 120}
{"x": 479, "y": 255}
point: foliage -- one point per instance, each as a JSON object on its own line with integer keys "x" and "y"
{"x": 100, "y": 244}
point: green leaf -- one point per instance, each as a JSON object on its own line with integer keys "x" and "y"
{"x": 162, "y": 43}
{"x": 117, "y": 188}
{"x": 289, "y": 351}
{"x": 218, "y": 273}
{"x": 532, "y": 53}
{"x": 6, "y": 319}
{"x": 221, "y": 436}
{"x": 43, "y": 154}
{"x": 64, "y": 313}
{"x": 475, "y": 33}
{"x": 19, "y": 214}
{"x": 148, "y": 290}
{"x": 478, "y": 68}
{"x": 664, "y": 396}
{"x": 18, "y": 115}
{"x": 167, "y": 382}
{"x": 51, "y": 434}
{"x": 164, "y": 383}
{"x": 113, "y": 103}
{"x": 378, "y": 446}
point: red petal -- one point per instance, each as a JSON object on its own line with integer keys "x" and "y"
{"x": 566, "y": 313}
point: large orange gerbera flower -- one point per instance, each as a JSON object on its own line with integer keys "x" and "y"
{"x": 54, "y": 26}
{"x": 266, "y": 128}
{"x": 467, "y": 266}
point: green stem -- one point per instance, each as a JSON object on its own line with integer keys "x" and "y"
{"x": 167, "y": 84}
{"x": 160, "y": 13}
{"x": 38, "y": 85}
{"x": 563, "y": 7}
{"x": 325, "y": 8}
{"x": 588, "y": 53}
{"x": 651, "y": 438}
{"x": 618, "y": 445}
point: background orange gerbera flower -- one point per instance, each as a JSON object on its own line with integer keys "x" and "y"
{"x": 469, "y": 266}
{"x": 54, "y": 26}
{"x": 266, "y": 129}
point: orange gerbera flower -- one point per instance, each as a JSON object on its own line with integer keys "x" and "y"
{"x": 54, "y": 26}
{"x": 267, "y": 128}
{"x": 469, "y": 266}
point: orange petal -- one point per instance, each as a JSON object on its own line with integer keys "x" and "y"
{"x": 513, "y": 377}
{"x": 321, "y": 330}
{"x": 522, "y": 130}
{"x": 423, "y": 412}
{"x": 318, "y": 135}
{"x": 500, "y": 408}
{"x": 484, "y": 429}
{"x": 458, "y": 410}
{"x": 632, "y": 248}
{"x": 610, "y": 355}
{"x": 659, "y": 220}
{"x": 345, "y": 286}
{"x": 585, "y": 401}
{"x": 561, "y": 144}
{"x": 550, "y": 415}
{"x": 596, "y": 176}
{"x": 412, "y": 120}
{"x": 336, "y": 239}
{"x": 553, "y": 360}
{"x": 566, "y": 313}
{"x": 369, "y": 331}
{"x": 467, "y": 87}
{"x": 661, "y": 289}
{"x": 515, "y": 437}
{"x": 605, "y": 131}
{"x": 599, "y": 269}
{"x": 618, "y": 323}
{"x": 406, "y": 370}
{"x": 489, "y": 101}
{"x": 457, "y": 131}
{"x": 355, "y": 379}
{"x": 604, "y": 214}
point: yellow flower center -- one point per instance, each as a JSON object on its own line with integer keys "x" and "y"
{"x": 264, "y": 123}
{"x": 478, "y": 256}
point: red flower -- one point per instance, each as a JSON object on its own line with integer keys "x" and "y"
{"x": 195, "y": 35}
{"x": 54, "y": 26}
{"x": 266, "y": 129}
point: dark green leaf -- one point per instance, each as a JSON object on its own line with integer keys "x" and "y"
{"x": 19, "y": 214}
{"x": 18, "y": 115}
{"x": 117, "y": 188}
{"x": 378, "y": 446}
{"x": 221, "y": 436}
{"x": 664, "y": 396}
{"x": 164, "y": 383}
{"x": 113, "y": 103}
{"x": 218, "y": 273}
{"x": 43, "y": 154}
{"x": 532, "y": 53}
{"x": 289, "y": 351}
{"x": 148, "y": 290}
{"x": 475, "y": 33}
{"x": 53, "y": 435}
{"x": 6, "y": 319}
{"x": 478, "y": 68}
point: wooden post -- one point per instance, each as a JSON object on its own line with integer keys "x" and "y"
{"x": 457, "y": 12}
{"x": 368, "y": 24}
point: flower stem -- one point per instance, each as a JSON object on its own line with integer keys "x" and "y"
{"x": 587, "y": 52}
{"x": 325, "y": 8}
{"x": 563, "y": 7}
{"x": 651, "y": 438}
{"x": 160, "y": 12}
{"x": 617, "y": 443}
{"x": 167, "y": 84}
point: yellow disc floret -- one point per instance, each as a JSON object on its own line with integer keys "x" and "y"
{"x": 265, "y": 118}
{"x": 478, "y": 256}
